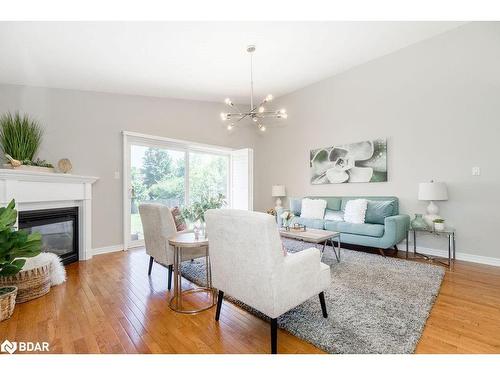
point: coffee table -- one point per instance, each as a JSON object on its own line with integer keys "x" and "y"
{"x": 315, "y": 236}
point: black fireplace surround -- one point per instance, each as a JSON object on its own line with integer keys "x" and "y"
{"x": 59, "y": 229}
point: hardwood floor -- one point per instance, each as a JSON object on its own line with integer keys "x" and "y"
{"x": 109, "y": 305}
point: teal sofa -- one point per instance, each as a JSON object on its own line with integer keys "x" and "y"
{"x": 384, "y": 227}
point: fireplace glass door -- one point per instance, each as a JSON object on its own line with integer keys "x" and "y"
{"x": 59, "y": 230}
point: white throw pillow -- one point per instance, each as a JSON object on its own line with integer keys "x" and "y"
{"x": 355, "y": 211}
{"x": 313, "y": 208}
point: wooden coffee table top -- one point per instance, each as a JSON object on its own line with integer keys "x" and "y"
{"x": 310, "y": 235}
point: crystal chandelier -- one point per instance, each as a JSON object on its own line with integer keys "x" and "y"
{"x": 258, "y": 112}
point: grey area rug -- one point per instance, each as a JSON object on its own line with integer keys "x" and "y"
{"x": 375, "y": 304}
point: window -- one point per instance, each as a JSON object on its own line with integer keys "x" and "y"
{"x": 208, "y": 175}
{"x": 177, "y": 173}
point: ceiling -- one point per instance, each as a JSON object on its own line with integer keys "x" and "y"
{"x": 195, "y": 60}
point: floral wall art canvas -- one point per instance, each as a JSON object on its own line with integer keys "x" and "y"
{"x": 354, "y": 162}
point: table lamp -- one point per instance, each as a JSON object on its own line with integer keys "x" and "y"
{"x": 278, "y": 191}
{"x": 432, "y": 191}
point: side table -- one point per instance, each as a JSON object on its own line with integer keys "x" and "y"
{"x": 448, "y": 232}
{"x": 183, "y": 241}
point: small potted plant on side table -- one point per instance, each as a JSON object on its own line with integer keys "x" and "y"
{"x": 439, "y": 225}
{"x": 14, "y": 246}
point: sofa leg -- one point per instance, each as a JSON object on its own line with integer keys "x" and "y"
{"x": 170, "y": 270}
{"x": 150, "y": 265}
{"x": 396, "y": 250}
{"x": 382, "y": 252}
{"x": 220, "y": 297}
{"x": 274, "y": 336}
{"x": 323, "y": 304}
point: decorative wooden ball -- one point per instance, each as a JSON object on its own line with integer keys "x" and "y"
{"x": 64, "y": 165}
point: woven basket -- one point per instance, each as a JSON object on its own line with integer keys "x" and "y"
{"x": 31, "y": 284}
{"x": 7, "y": 303}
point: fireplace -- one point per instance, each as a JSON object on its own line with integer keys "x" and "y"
{"x": 59, "y": 229}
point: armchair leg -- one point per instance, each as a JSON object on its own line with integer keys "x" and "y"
{"x": 220, "y": 297}
{"x": 323, "y": 304}
{"x": 150, "y": 265}
{"x": 170, "y": 270}
{"x": 274, "y": 336}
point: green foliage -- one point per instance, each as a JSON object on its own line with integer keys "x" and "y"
{"x": 171, "y": 188}
{"x": 157, "y": 165}
{"x": 20, "y": 136}
{"x": 37, "y": 163}
{"x": 207, "y": 176}
{"x": 161, "y": 178}
{"x": 438, "y": 221}
{"x": 197, "y": 210}
{"x": 15, "y": 245}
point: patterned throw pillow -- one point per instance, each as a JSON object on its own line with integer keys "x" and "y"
{"x": 180, "y": 224}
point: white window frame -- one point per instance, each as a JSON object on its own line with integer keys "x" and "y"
{"x": 133, "y": 138}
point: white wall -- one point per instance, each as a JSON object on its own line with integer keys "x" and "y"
{"x": 86, "y": 128}
{"x": 437, "y": 102}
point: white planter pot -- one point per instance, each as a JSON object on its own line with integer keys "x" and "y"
{"x": 30, "y": 168}
{"x": 439, "y": 227}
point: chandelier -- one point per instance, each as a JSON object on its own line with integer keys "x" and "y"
{"x": 257, "y": 112}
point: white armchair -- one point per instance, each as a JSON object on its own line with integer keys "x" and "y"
{"x": 158, "y": 225}
{"x": 248, "y": 263}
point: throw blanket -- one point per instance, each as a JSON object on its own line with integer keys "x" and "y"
{"x": 57, "y": 271}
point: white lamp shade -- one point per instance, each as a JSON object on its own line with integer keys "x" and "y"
{"x": 278, "y": 191}
{"x": 432, "y": 191}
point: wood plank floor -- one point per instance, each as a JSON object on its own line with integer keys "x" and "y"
{"x": 109, "y": 305}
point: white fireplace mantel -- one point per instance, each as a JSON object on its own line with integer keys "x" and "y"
{"x": 39, "y": 190}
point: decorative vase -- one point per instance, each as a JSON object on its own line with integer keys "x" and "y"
{"x": 196, "y": 230}
{"x": 203, "y": 229}
{"x": 418, "y": 222}
{"x": 439, "y": 227}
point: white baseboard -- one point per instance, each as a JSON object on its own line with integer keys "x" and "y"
{"x": 106, "y": 249}
{"x": 459, "y": 256}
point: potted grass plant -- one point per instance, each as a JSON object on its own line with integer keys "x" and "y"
{"x": 15, "y": 247}
{"x": 20, "y": 139}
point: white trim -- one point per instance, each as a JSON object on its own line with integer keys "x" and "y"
{"x": 459, "y": 255}
{"x": 175, "y": 143}
{"x": 107, "y": 249}
{"x": 23, "y": 175}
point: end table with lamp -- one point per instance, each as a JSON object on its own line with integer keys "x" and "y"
{"x": 278, "y": 191}
{"x": 432, "y": 191}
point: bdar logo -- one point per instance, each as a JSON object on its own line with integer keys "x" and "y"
{"x": 8, "y": 347}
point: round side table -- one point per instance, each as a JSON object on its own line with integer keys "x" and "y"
{"x": 185, "y": 241}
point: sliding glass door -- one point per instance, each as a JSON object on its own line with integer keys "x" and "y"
{"x": 171, "y": 174}
{"x": 157, "y": 174}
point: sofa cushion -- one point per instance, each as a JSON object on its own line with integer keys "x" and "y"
{"x": 377, "y": 211}
{"x": 295, "y": 205}
{"x": 372, "y": 198}
{"x": 313, "y": 208}
{"x": 371, "y": 230}
{"x": 334, "y": 215}
{"x": 332, "y": 203}
{"x": 355, "y": 211}
{"x": 309, "y": 223}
